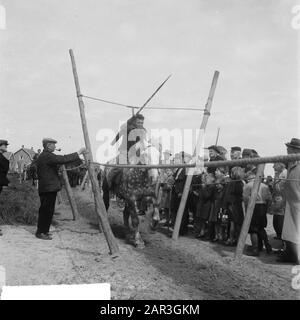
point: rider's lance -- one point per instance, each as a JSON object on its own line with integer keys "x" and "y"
{"x": 142, "y": 107}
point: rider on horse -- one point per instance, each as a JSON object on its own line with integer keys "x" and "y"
{"x": 132, "y": 131}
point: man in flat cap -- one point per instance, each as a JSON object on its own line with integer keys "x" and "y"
{"x": 49, "y": 183}
{"x": 4, "y": 167}
{"x": 291, "y": 224}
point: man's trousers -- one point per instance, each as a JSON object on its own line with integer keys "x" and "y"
{"x": 46, "y": 211}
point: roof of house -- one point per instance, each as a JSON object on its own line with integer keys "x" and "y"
{"x": 30, "y": 152}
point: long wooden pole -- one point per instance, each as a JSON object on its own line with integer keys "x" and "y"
{"x": 84, "y": 181}
{"x": 153, "y": 94}
{"x": 189, "y": 177}
{"x": 70, "y": 193}
{"x": 213, "y": 164}
{"x": 217, "y": 139}
{"x": 100, "y": 208}
{"x": 249, "y": 211}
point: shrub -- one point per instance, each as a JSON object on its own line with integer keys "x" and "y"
{"x": 19, "y": 203}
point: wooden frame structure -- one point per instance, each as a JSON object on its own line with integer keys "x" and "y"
{"x": 100, "y": 208}
{"x": 260, "y": 162}
{"x": 70, "y": 193}
{"x": 99, "y": 205}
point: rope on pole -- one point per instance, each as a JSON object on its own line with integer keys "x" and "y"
{"x": 180, "y": 108}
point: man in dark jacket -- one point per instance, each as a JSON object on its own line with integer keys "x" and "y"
{"x": 4, "y": 167}
{"x": 49, "y": 183}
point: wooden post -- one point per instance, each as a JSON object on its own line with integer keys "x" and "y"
{"x": 70, "y": 193}
{"x": 100, "y": 208}
{"x": 217, "y": 139}
{"x": 249, "y": 211}
{"x": 84, "y": 181}
{"x": 196, "y": 153}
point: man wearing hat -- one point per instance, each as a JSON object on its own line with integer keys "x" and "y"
{"x": 49, "y": 183}
{"x": 4, "y": 167}
{"x": 235, "y": 153}
{"x": 214, "y": 155}
{"x": 291, "y": 224}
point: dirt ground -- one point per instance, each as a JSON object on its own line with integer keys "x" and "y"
{"x": 185, "y": 269}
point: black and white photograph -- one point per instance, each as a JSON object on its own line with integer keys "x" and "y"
{"x": 149, "y": 151}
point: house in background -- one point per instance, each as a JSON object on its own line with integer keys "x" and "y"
{"x": 22, "y": 157}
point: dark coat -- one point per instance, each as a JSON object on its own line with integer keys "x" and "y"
{"x": 179, "y": 181}
{"x": 47, "y": 170}
{"x": 233, "y": 201}
{"x": 4, "y": 167}
{"x": 217, "y": 204}
{"x": 205, "y": 202}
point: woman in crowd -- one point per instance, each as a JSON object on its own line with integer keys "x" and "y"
{"x": 259, "y": 219}
{"x": 278, "y": 200}
{"x": 166, "y": 183}
{"x": 234, "y": 204}
{"x": 204, "y": 205}
{"x": 217, "y": 233}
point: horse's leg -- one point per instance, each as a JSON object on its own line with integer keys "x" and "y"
{"x": 105, "y": 189}
{"x": 126, "y": 214}
{"x": 138, "y": 241}
{"x": 154, "y": 216}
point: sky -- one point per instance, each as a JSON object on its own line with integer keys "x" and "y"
{"x": 125, "y": 48}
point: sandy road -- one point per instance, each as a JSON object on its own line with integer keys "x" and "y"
{"x": 186, "y": 269}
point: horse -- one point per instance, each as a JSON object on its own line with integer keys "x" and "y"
{"x": 135, "y": 185}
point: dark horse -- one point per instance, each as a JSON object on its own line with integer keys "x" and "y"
{"x": 134, "y": 185}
